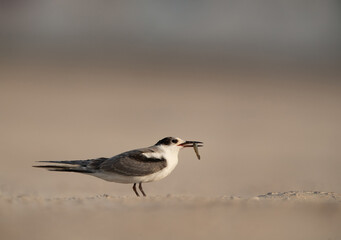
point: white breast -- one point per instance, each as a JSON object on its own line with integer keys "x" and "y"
{"x": 171, "y": 156}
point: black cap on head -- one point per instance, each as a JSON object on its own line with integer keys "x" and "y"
{"x": 167, "y": 141}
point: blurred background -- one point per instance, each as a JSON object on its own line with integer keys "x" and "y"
{"x": 257, "y": 81}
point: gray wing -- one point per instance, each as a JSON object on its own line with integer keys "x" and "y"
{"x": 133, "y": 163}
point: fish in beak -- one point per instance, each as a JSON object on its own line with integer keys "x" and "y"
{"x": 191, "y": 144}
{"x": 194, "y": 145}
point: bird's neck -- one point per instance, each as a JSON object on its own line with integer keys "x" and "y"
{"x": 171, "y": 156}
{"x": 170, "y": 153}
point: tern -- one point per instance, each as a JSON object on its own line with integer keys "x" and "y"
{"x": 135, "y": 167}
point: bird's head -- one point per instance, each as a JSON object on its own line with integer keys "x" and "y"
{"x": 175, "y": 144}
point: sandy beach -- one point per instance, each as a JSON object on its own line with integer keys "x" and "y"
{"x": 270, "y": 167}
{"x": 313, "y": 216}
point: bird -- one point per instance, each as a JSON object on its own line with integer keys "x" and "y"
{"x": 137, "y": 166}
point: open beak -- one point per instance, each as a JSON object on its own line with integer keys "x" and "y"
{"x": 190, "y": 144}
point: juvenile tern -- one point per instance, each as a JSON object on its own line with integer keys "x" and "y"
{"x": 136, "y": 166}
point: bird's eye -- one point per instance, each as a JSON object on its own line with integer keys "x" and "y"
{"x": 174, "y": 141}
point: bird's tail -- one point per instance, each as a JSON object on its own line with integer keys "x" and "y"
{"x": 69, "y": 166}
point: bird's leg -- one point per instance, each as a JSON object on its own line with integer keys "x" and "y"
{"x": 141, "y": 189}
{"x": 134, "y": 188}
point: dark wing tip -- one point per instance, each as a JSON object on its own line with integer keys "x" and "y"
{"x": 48, "y": 166}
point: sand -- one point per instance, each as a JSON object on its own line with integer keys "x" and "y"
{"x": 311, "y": 216}
{"x": 270, "y": 168}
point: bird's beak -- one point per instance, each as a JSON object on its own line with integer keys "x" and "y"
{"x": 191, "y": 143}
